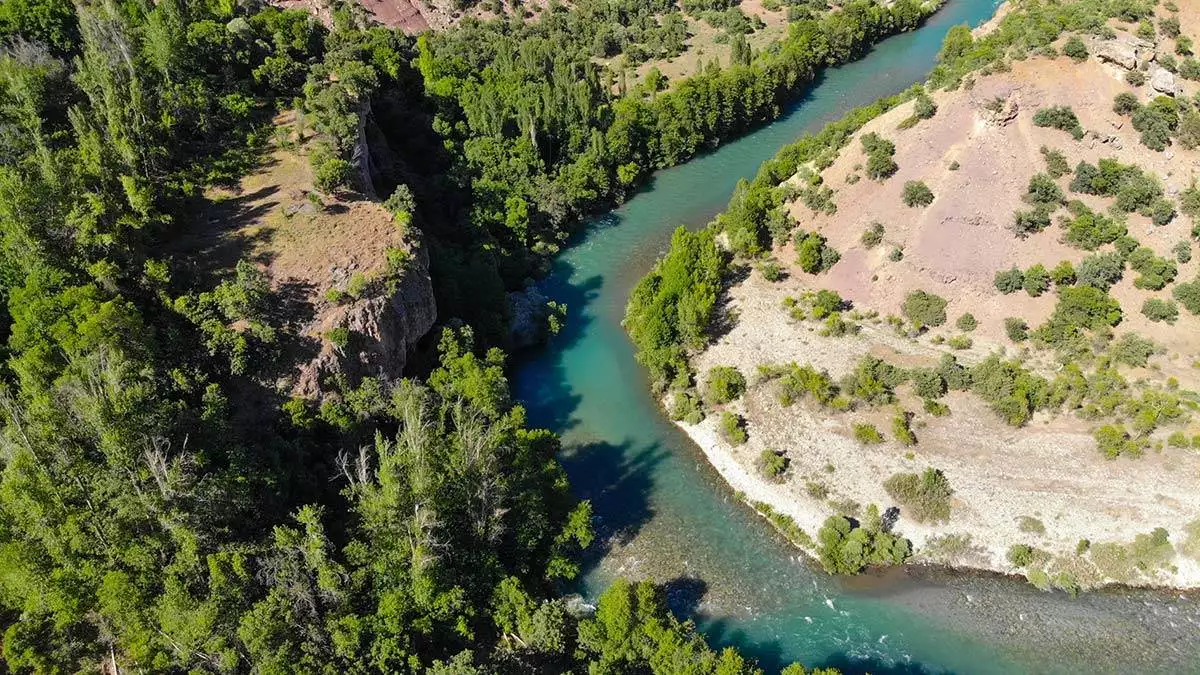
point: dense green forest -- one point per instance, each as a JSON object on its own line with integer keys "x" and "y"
{"x": 162, "y": 507}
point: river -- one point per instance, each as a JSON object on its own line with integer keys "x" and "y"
{"x": 663, "y": 512}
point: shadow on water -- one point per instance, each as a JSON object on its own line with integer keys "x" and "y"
{"x": 619, "y": 491}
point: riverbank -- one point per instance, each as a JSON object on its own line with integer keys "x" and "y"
{"x": 1086, "y": 521}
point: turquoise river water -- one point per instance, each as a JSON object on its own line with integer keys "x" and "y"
{"x": 663, "y": 512}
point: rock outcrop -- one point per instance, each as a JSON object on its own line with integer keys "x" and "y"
{"x": 1126, "y": 51}
{"x": 383, "y": 330}
{"x": 1163, "y": 81}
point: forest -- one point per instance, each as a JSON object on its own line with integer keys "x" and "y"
{"x": 162, "y": 507}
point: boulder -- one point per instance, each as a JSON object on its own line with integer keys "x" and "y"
{"x": 1163, "y": 81}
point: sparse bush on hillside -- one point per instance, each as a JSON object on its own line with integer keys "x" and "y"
{"x": 1135, "y": 77}
{"x": 867, "y": 434}
{"x": 1157, "y": 120}
{"x": 1020, "y": 555}
{"x": 1189, "y": 202}
{"x": 1153, "y": 272}
{"x": 924, "y": 309}
{"x": 1063, "y": 273}
{"x": 1134, "y": 189}
{"x": 1182, "y": 251}
{"x": 1188, "y": 295}
{"x": 813, "y": 253}
{"x": 1042, "y": 190}
{"x": 1189, "y": 69}
{"x": 917, "y": 193}
{"x": 724, "y": 384}
{"x": 1159, "y": 310}
{"x": 924, "y": 107}
{"x": 1010, "y": 280}
{"x": 732, "y": 428}
{"x": 1059, "y": 117}
{"x": 872, "y": 236}
{"x": 1037, "y": 280}
{"x": 1169, "y": 26}
{"x": 1125, "y": 103}
{"x": 880, "y": 152}
{"x": 925, "y": 497}
{"x": 1101, "y": 270}
{"x": 1089, "y": 231}
{"x": 773, "y": 465}
{"x": 966, "y": 322}
{"x": 771, "y": 271}
{"x": 1113, "y": 440}
{"x": 902, "y": 429}
{"x": 1056, "y": 162}
{"x": 1026, "y": 223}
{"x": 1016, "y": 329}
{"x": 1132, "y": 350}
{"x": 1075, "y": 49}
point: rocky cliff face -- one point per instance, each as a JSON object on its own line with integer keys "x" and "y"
{"x": 383, "y": 330}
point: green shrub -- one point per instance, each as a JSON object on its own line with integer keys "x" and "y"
{"x": 1132, "y": 350}
{"x": 724, "y": 384}
{"x": 959, "y": 342}
{"x": 1153, "y": 272}
{"x": 1042, "y": 190}
{"x": 872, "y": 236}
{"x": 1016, "y": 329}
{"x": 1182, "y": 251}
{"x": 1189, "y": 69}
{"x": 1158, "y": 310}
{"x": 1135, "y": 77}
{"x": 1063, "y": 273}
{"x": 917, "y": 193}
{"x": 1075, "y": 49}
{"x": 880, "y": 151}
{"x": 826, "y": 302}
{"x": 1158, "y": 119}
{"x": 358, "y": 285}
{"x": 1020, "y": 555}
{"x": 924, "y": 309}
{"x": 902, "y": 429}
{"x": 813, "y": 254}
{"x": 686, "y": 407}
{"x": 924, "y": 107}
{"x": 1009, "y": 281}
{"x": 1145, "y": 30}
{"x": 896, "y": 254}
{"x": 1101, "y": 270}
{"x": 1169, "y": 26}
{"x": 844, "y": 548}
{"x": 1189, "y": 202}
{"x": 1188, "y": 295}
{"x": 1031, "y": 525}
{"x": 1133, "y": 188}
{"x": 339, "y": 337}
{"x": 1026, "y": 223}
{"x": 966, "y": 322}
{"x": 935, "y": 408}
{"x": 1126, "y": 103}
{"x": 926, "y": 496}
{"x": 771, "y": 271}
{"x": 928, "y": 382}
{"x": 732, "y": 428}
{"x": 335, "y": 296}
{"x": 1113, "y": 440}
{"x": 1056, "y": 162}
{"x": 1089, "y": 231}
{"x": 1178, "y": 439}
{"x": 1037, "y": 280}
{"x": 867, "y": 434}
{"x": 1059, "y": 117}
{"x": 773, "y": 465}
{"x": 1079, "y": 308}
